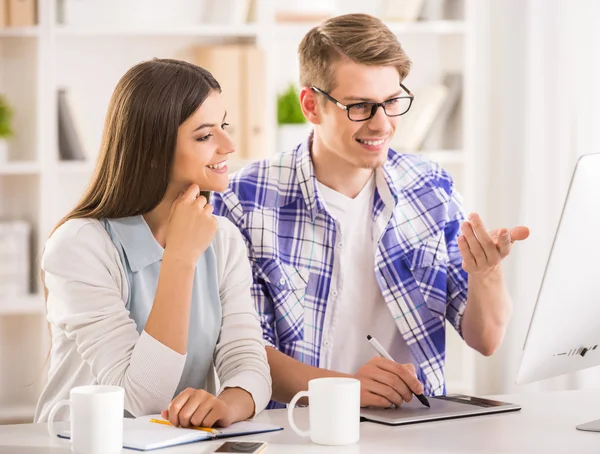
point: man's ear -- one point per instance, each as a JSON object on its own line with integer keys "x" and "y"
{"x": 310, "y": 105}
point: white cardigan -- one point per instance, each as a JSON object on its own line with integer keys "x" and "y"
{"x": 94, "y": 341}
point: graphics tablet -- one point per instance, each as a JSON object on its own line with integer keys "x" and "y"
{"x": 442, "y": 407}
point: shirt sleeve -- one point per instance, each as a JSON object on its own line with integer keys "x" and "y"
{"x": 457, "y": 283}
{"x": 240, "y": 356}
{"x": 266, "y": 312}
{"x": 84, "y": 282}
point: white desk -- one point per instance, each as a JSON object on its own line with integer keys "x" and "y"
{"x": 546, "y": 424}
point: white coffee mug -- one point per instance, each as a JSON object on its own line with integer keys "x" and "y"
{"x": 334, "y": 411}
{"x": 96, "y": 419}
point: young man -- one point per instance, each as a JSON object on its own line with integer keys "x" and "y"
{"x": 349, "y": 238}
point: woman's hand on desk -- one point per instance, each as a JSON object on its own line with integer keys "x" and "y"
{"x": 384, "y": 383}
{"x": 196, "y": 407}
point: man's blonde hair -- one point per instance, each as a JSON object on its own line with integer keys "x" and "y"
{"x": 359, "y": 37}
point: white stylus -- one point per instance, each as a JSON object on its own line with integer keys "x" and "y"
{"x": 383, "y": 352}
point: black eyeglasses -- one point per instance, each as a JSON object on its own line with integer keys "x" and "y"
{"x": 363, "y": 111}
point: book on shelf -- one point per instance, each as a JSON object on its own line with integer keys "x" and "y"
{"x": 80, "y": 13}
{"x": 254, "y": 83}
{"x": 240, "y": 70}
{"x": 3, "y": 14}
{"x": 225, "y": 63}
{"x": 229, "y": 12}
{"x": 21, "y": 13}
{"x": 15, "y": 244}
{"x": 442, "y": 10}
{"x": 129, "y": 14}
{"x": 283, "y": 17}
{"x": 433, "y": 109}
{"x": 447, "y": 112}
{"x": 70, "y": 144}
{"x": 432, "y": 10}
{"x": 414, "y": 126}
{"x": 403, "y": 10}
{"x": 306, "y": 11}
{"x": 454, "y": 9}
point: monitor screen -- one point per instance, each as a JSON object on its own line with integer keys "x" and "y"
{"x": 564, "y": 333}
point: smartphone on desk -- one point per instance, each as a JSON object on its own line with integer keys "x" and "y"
{"x": 248, "y": 447}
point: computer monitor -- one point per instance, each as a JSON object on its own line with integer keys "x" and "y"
{"x": 564, "y": 333}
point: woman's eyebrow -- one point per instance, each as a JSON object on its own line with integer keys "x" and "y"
{"x": 209, "y": 125}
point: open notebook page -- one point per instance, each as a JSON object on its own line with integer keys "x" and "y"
{"x": 143, "y": 435}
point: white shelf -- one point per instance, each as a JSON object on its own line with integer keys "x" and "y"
{"x": 208, "y": 30}
{"x": 19, "y": 168}
{"x": 87, "y": 168}
{"x": 17, "y": 413}
{"x": 442, "y": 27}
{"x": 76, "y": 167}
{"x": 22, "y": 305}
{"x": 19, "y": 32}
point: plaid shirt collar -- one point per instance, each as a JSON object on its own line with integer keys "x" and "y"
{"x": 307, "y": 180}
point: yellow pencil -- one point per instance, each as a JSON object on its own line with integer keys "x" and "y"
{"x": 167, "y": 423}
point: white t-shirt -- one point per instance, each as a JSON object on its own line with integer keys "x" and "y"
{"x": 356, "y": 306}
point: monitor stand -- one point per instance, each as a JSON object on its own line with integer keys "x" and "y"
{"x": 592, "y": 426}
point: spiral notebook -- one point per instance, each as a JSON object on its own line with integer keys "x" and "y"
{"x": 142, "y": 435}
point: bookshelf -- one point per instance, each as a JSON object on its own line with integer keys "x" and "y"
{"x": 23, "y": 305}
{"x": 74, "y": 168}
{"x": 19, "y": 32}
{"x": 20, "y": 168}
{"x": 204, "y": 31}
{"x": 438, "y": 27}
{"x": 36, "y": 186}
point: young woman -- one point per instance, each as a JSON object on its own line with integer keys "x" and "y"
{"x": 146, "y": 289}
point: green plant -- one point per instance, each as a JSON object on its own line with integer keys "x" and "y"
{"x": 5, "y": 119}
{"x": 288, "y": 107}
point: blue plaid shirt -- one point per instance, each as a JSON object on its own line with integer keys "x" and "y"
{"x": 290, "y": 236}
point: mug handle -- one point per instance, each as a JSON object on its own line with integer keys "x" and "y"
{"x": 291, "y": 406}
{"x": 57, "y": 406}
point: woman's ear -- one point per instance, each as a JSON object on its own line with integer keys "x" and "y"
{"x": 310, "y": 105}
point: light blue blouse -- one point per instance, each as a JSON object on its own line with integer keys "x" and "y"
{"x": 141, "y": 256}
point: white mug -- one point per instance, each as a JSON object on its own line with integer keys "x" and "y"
{"x": 96, "y": 419}
{"x": 334, "y": 411}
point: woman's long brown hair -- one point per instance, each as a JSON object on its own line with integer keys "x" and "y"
{"x": 147, "y": 107}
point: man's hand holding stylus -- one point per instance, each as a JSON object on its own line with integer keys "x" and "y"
{"x": 385, "y": 383}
